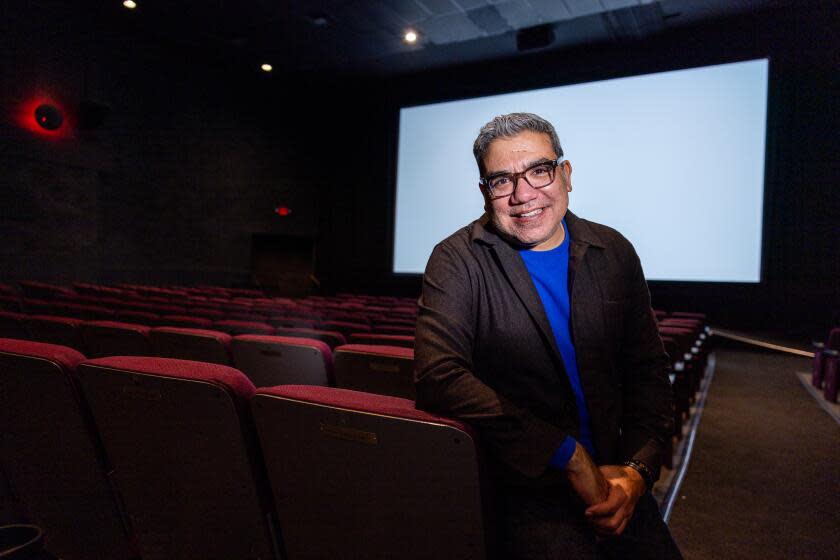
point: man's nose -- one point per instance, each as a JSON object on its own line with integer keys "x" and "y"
{"x": 523, "y": 191}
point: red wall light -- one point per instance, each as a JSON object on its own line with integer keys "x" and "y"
{"x": 45, "y": 117}
{"x": 282, "y": 211}
{"x": 48, "y": 117}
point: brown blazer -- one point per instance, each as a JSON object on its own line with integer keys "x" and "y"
{"x": 485, "y": 353}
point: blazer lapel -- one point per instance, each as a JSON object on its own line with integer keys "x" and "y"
{"x": 582, "y": 237}
{"x": 519, "y": 278}
{"x": 517, "y": 275}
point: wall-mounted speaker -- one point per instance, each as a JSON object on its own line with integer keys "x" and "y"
{"x": 48, "y": 117}
{"x": 537, "y": 37}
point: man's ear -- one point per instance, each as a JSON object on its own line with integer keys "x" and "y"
{"x": 567, "y": 171}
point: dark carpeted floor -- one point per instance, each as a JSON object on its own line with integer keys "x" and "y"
{"x": 764, "y": 478}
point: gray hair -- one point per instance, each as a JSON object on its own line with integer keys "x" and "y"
{"x": 505, "y": 126}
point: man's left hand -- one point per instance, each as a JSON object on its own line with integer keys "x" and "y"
{"x": 611, "y": 516}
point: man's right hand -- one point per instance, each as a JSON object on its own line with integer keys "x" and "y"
{"x": 586, "y": 478}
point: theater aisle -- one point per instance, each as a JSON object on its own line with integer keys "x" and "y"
{"x": 764, "y": 478}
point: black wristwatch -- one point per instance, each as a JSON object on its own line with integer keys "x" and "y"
{"x": 642, "y": 469}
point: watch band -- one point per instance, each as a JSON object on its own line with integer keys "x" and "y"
{"x": 645, "y": 471}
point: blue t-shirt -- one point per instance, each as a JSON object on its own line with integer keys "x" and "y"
{"x": 549, "y": 271}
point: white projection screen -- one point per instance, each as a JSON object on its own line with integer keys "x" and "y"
{"x": 673, "y": 160}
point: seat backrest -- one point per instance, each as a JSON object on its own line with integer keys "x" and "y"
{"x": 50, "y": 453}
{"x": 82, "y": 311}
{"x": 185, "y": 321}
{"x": 332, "y": 338}
{"x": 208, "y": 312}
{"x": 833, "y": 341}
{"x": 234, "y": 328}
{"x": 384, "y": 370}
{"x": 356, "y": 475}
{"x": 10, "y": 303}
{"x": 687, "y": 323}
{"x": 177, "y": 434}
{"x": 191, "y": 344}
{"x": 685, "y": 337}
{"x": 137, "y": 317}
{"x": 36, "y": 306}
{"x": 111, "y": 338}
{"x": 294, "y": 322}
{"x": 689, "y": 314}
{"x": 12, "y": 325}
{"x": 278, "y": 360}
{"x": 405, "y": 341}
{"x": 395, "y": 329}
{"x": 345, "y": 327}
{"x": 64, "y": 331}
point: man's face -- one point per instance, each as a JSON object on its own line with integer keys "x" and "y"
{"x": 529, "y": 217}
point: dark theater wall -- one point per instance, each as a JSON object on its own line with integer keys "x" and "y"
{"x": 197, "y": 150}
{"x": 801, "y": 287}
{"x": 189, "y": 162}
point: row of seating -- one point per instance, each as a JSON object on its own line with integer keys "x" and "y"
{"x": 694, "y": 347}
{"x": 824, "y": 373}
{"x": 157, "y": 314}
{"x": 73, "y": 332}
{"x": 170, "y": 301}
{"x": 345, "y": 315}
{"x": 370, "y": 363}
{"x": 686, "y": 337}
{"x": 154, "y": 458}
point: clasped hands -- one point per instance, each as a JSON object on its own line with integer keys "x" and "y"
{"x": 610, "y": 492}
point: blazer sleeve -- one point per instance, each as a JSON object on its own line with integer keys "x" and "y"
{"x": 647, "y": 421}
{"x": 443, "y": 369}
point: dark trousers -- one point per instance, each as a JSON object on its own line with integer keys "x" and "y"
{"x": 549, "y": 527}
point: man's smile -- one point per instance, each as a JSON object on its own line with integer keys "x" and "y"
{"x": 529, "y": 214}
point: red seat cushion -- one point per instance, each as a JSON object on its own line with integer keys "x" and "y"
{"x": 360, "y": 401}
{"x": 291, "y": 340}
{"x": 63, "y": 355}
{"x": 225, "y": 376}
{"x": 222, "y": 337}
{"x": 378, "y": 350}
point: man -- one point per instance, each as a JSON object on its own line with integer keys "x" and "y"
{"x": 535, "y": 327}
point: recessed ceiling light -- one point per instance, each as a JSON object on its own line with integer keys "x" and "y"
{"x": 318, "y": 19}
{"x": 410, "y": 37}
{"x": 130, "y": 4}
{"x": 267, "y": 67}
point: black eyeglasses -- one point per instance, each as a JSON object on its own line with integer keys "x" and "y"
{"x": 539, "y": 176}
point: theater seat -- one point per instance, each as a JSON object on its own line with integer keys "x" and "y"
{"x": 234, "y": 328}
{"x": 276, "y": 360}
{"x": 831, "y": 382}
{"x": 382, "y": 339}
{"x": 185, "y": 321}
{"x": 50, "y": 452}
{"x": 356, "y": 475}
{"x": 111, "y": 338}
{"x": 177, "y": 434}
{"x": 820, "y": 356}
{"x": 137, "y": 317}
{"x": 384, "y": 370}
{"x": 331, "y": 338}
{"x": 191, "y": 344}
{"x": 12, "y": 325}
{"x": 10, "y": 303}
{"x": 64, "y": 331}
{"x": 345, "y": 327}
